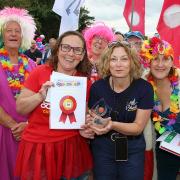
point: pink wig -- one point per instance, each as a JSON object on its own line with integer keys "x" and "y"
{"x": 22, "y": 17}
{"x": 97, "y": 30}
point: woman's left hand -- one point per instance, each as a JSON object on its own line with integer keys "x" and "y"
{"x": 102, "y": 130}
{"x": 18, "y": 129}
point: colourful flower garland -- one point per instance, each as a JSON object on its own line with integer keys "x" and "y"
{"x": 174, "y": 106}
{"x": 152, "y": 47}
{"x": 15, "y": 80}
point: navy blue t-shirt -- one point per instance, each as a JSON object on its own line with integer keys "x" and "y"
{"x": 123, "y": 105}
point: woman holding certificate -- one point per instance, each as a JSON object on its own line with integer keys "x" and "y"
{"x": 121, "y": 104}
{"x": 47, "y": 153}
{"x": 158, "y": 55}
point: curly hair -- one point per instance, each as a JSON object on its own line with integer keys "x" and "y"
{"x": 104, "y": 68}
{"x": 84, "y": 66}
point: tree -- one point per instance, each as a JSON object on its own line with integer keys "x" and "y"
{"x": 85, "y": 19}
{"x": 15, "y": 3}
{"x": 47, "y": 21}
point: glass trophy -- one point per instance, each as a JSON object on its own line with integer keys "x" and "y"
{"x": 102, "y": 110}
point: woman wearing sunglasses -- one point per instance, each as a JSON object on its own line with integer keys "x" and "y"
{"x": 47, "y": 153}
{"x": 124, "y": 102}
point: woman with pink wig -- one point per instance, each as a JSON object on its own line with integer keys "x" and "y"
{"x": 17, "y": 29}
{"x": 97, "y": 38}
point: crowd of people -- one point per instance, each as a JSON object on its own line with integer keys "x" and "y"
{"x": 133, "y": 91}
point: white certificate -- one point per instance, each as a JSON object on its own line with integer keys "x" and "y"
{"x": 170, "y": 141}
{"x": 67, "y": 101}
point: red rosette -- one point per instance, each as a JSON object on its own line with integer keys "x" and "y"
{"x": 67, "y": 105}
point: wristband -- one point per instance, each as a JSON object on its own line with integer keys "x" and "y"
{"x": 42, "y": 95}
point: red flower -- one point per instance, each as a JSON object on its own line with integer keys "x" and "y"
{"x": 150, "y": 78}
{"x": 154, "y": 41}
{"x": 173, "y": 78}
{"x": 172, "y": 116}
{"x": 155, "y": 114}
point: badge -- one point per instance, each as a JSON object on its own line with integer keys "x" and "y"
{"x": 67, "y": 105}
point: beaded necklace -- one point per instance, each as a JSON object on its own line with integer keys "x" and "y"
{"x": 174, "y": 106}
{"x": 15, "y": 75}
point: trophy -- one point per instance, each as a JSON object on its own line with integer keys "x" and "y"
{"x": 102, "y": 110}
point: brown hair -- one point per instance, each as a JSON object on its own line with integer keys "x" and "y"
{"x": 84, "y": 65}
{"x": 136, "y": 69}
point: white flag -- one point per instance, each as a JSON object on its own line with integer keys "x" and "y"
{"x": 69, "y": 11}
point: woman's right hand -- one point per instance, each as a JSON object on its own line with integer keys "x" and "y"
{"x": 18, "y": 129}
{"x": 86, "y": 131}
{"x": 28, "y": 100}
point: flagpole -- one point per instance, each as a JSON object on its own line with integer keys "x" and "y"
{"x": 132, "y": 14}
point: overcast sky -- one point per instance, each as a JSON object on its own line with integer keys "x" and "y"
{"x": 111, "y": 13}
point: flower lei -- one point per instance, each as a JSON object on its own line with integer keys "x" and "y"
{"x": 15, "y": 80}
{"x": 174, "y": 106}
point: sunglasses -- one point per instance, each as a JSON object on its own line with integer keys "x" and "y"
{"x": 99, "y": 38}
{"x": 119, "y": 43}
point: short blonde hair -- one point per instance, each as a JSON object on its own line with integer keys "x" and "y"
{"x": 136, "y": 69}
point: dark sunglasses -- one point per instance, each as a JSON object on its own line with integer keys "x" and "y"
{"x": 119, "y": 43}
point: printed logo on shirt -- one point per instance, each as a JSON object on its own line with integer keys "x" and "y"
{"x": 45, "y": 107}
{"x": 131, "y": 105}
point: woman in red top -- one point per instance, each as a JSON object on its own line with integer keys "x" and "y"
{"x": 47, "y": 153}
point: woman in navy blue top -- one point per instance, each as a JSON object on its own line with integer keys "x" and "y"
{"x": 124, "y": 102}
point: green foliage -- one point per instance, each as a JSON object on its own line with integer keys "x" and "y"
{"x": 84, "y": 19}
{"x": 47, "y": 21}
{"x": 15, "y": 3}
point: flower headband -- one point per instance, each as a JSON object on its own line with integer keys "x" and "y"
{"x": 25, "y": 21}
{"x": 152, "y": 47}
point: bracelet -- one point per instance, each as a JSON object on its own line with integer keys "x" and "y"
{"x": 42, "y": 95}
{"x": 9, "y": 123}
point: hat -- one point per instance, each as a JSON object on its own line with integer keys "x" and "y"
{"x": 137, "y": 34}
{"x": 24, "y": 19}
{"x": 42, "y": 36}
